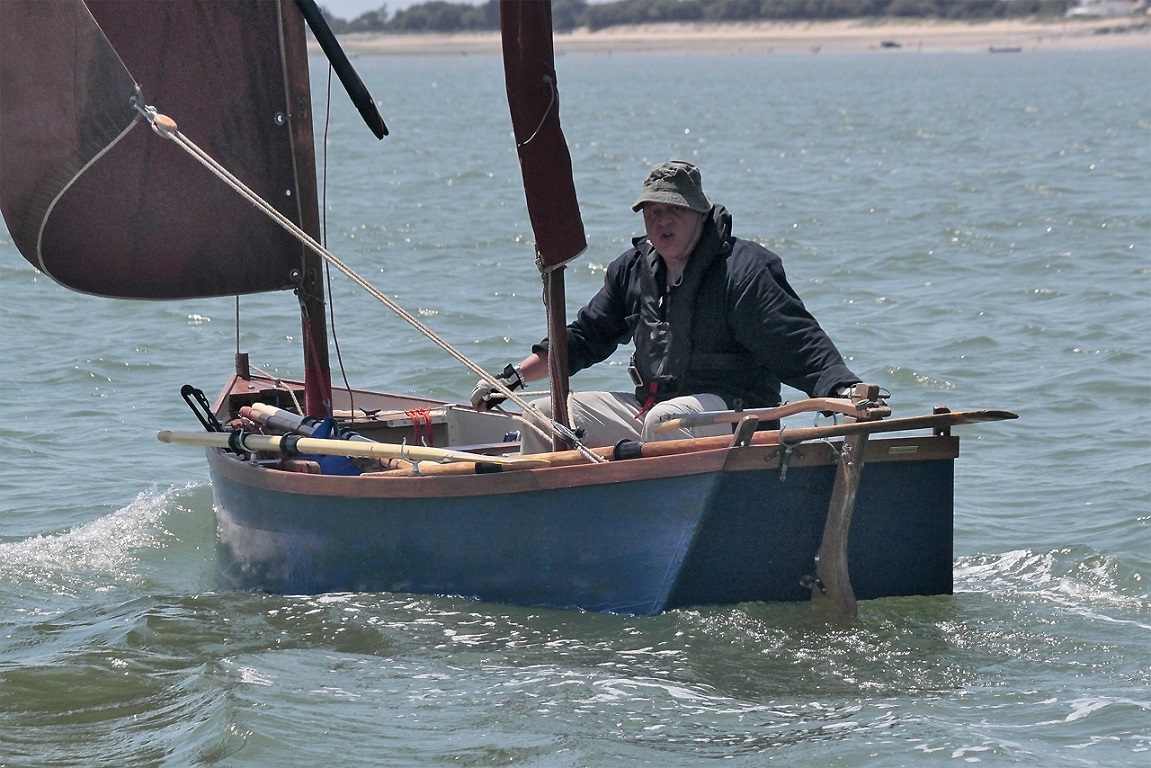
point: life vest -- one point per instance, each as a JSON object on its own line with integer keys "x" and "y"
{"x": 668, "y": 361}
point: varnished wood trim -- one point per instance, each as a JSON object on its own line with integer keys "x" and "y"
{"x": 924, "y": 448}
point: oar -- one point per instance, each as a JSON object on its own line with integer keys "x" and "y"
{"x": 292, "y": 445}
{"x": 627, "y": 450}
{"x": 344, "y": 70}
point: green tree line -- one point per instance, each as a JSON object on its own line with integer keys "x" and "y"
{"x": 443, "y": 16}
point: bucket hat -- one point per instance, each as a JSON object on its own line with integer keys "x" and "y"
{"x": 674, "y": 182}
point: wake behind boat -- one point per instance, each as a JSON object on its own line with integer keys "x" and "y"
{"x": 320, "y": 488}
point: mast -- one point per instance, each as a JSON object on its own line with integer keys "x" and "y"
{"x": 317, "y": 370}
{"x": 533, "y": 97}
{"x": 310, "y": 280}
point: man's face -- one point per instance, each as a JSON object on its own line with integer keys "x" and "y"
{"x": 674, "y": 231}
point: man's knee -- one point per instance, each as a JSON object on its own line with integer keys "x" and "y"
{"x": 681, "y": 406}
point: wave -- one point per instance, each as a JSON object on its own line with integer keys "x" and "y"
{"x": 1076, "y": 579}
{"x": 160, "y": 526}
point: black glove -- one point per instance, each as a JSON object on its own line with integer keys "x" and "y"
{"x": 485, "y": 396}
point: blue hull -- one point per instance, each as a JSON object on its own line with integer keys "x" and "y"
{"x": 760, "y": 536}
{"x": 684, "y": 532}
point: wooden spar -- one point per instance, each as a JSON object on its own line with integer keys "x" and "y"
{"x": 310, "y": 279}
{"x": 931, "y": 421}
{"x": 355, "y": 87}
{"x": 940, "y": 422}
{"x": 832, "y": 583}
{"x": 248, "y": 441}
{"x": 557, "y": 351}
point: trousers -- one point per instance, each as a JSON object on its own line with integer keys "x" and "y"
{"x": 608, "y": 417}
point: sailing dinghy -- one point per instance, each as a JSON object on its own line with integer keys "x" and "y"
{"x": 323, "y": 489}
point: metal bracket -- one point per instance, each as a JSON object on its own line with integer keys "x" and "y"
{"x": 198, "y": 402}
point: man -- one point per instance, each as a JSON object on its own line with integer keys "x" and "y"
{"x": 715, "y": 324}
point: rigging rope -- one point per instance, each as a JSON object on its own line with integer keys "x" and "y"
{"x": 327, "y": 269}
{"x": 279, "y": 383}
{"x": 166, "y": 127}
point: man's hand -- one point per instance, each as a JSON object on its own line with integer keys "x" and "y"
{"x": 870, "y": 400}
{"x": 486, "y": 396}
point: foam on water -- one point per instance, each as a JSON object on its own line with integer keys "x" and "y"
{"x": 1072, "y": 577}
{"x": 109, "y": 553}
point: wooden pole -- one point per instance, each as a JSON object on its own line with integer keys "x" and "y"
{"x": 558, "y": 352}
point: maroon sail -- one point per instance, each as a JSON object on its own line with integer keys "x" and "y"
{"x": 533, "y": 96}
{"x": 116, "y": 211}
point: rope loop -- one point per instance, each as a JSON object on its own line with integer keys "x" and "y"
{"x": 552, "y": 87}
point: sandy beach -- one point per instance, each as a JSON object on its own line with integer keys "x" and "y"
{"x": 855, "y": 36}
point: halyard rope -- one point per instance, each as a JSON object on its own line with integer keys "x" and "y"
{"x": 166, "y": 127}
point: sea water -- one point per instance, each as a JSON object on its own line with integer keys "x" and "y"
{"x": 973, "y": 230}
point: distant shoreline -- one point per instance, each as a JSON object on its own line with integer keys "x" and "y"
{"x": 852, "y": 36}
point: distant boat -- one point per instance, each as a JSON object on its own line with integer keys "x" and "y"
{"x": 323, "y": 489}
{"x": 1005, "y": 48}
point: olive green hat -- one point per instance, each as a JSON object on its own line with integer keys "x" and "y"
{"x": 676, "y": 183}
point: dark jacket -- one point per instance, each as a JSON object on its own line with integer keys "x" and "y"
{"x": 732, "y": 326}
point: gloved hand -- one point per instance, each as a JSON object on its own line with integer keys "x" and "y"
{"x": 485, "y": 396}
